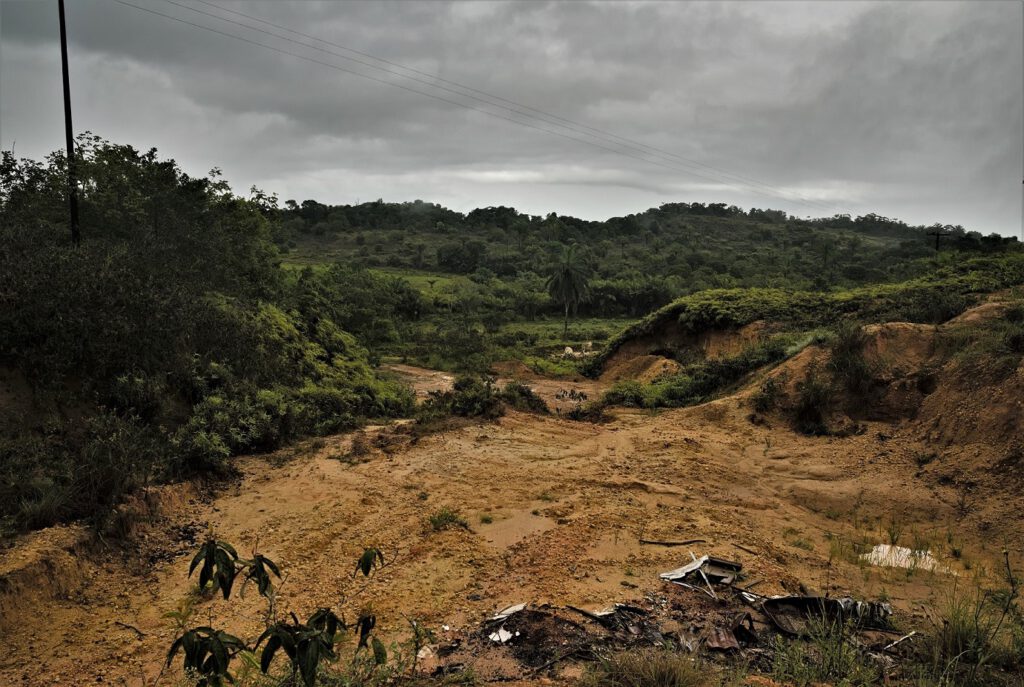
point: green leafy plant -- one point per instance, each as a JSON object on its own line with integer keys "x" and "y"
{"x": 306, "y": 645}
{"x": 372, "y": 559}
{"x": 218, "y": 559}
{"x": 208, "y": 654}
{"x": 258, "y": 570}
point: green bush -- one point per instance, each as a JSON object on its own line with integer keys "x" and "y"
{"x": 75, "y": 472}
{"x": 1013, "y": 339}
{"x": 698, "y": 382}
{"x": 767, "y": 395}
{"x": 522, "y": 397}
{"x": 847, "y": 362}
{"x": 445, "y": 519}
{"x": 470, "y": 397}
{"x": 813, "y": 402}
{"x": 171, "y": 329}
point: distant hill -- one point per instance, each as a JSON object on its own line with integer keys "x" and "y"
{"x": 640, "y": 261}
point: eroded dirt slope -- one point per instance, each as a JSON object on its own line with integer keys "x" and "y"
{"x": 567, "y": 503}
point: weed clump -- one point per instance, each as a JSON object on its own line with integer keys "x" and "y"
{"x": 979, "y": 635}
{"x": 828, "y": 656}
{"x": 646, "y": 668}
{"x": 446, "y": 519}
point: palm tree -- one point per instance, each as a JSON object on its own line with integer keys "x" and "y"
{"x": 569, "y": 282}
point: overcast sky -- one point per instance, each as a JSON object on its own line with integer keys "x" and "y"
{"x": 909, "y": 109}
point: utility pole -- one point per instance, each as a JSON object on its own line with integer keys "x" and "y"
{"x": 76, "y": 237}
{"x": 938, "y": 235}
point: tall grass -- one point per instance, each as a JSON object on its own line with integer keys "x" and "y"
{"x": 830, "y": 655}
{"x": 646, "y": 668}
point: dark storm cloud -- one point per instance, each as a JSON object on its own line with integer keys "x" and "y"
{"x": 908, "y": 109}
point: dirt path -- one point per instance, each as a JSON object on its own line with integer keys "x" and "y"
{"x": 567, "y": 503}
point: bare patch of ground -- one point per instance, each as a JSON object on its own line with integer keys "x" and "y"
{"x": 556, "y": 511}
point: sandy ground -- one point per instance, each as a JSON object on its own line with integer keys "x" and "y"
{"x": 555, "y": 511}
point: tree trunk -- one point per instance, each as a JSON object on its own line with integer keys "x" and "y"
{"x": 565, "y": 331}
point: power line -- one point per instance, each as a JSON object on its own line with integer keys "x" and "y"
{"x": 576, "y": 127}
{"x": 720, "y": 177}
{"x": 433, "y": 96}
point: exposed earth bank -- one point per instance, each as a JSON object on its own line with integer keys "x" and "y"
{"x": 555, "y": 510}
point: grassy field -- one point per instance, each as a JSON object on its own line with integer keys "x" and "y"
{"x": 550, "y": 332}
{"x": 426, "y": 282}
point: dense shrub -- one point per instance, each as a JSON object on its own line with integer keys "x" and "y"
{"x": 813, "y": 402}
{"x": 767, "y": 395}
{"x": 697, "y": 382}
{"x": 522, "y": 397}
{"x": 171, "y": 332}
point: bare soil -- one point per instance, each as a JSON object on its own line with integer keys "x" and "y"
{"x": 556, "y": 510}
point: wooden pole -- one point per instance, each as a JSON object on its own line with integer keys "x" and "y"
{"x": 76, "y": 237}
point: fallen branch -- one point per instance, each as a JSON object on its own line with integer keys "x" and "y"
{"x": 743, "y": 548}
{"x": 134, "y": 629}
{"x": 657, "y": 542}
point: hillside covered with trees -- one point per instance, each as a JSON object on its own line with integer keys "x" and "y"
{"x": 192, "y": 323}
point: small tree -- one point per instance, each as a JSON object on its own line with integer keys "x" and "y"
{"x": 569, "y": 282}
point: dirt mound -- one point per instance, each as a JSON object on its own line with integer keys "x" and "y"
{"x": 671, "y": 342}
{"x": 45, "y": 566}
{"x": 898, "y": 348}
{"x": 642, "y": 368}
{"x": 905, "y": 365}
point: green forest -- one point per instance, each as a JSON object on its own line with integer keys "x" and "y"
{"x": 193, "y": 323}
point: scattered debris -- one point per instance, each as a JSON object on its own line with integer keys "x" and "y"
{"x": 506, "y": 613}
{"x": 793, "y": 615}
{"x": 710, "y": 570}
{"x": 901, "y": 557}
{"x": 526, "y": 640}
{"x": 501, "y": 635}
{"x": 720, "y": 639}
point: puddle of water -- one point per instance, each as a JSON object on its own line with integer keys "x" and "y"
{"x": 902, "y": 557}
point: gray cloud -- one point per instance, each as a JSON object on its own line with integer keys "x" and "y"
{"x": 910, "y": 109}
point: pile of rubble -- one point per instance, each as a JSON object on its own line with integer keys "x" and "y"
{"x": 702, "y": 608}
